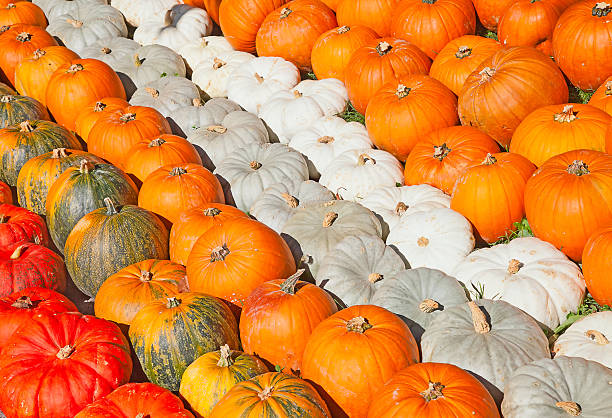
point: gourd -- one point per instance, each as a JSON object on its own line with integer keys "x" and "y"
{"x": 15, "y": 109}
{"x": 213, "y": 73}
{"x": 20, "y": 225}
{"x": 166, "y": 94}
{"x": 199, "y": 50}
{"x": 137, "y": 12}
{"x": 187, "y": 120}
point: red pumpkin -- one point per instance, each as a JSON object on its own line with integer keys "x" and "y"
{"x": 60, "y": 363}
{"x": 375, "y": 14}
{"x": 19, "y": 224}
{"x": 491, "y": 11}
{"x": 400, "y": 113}
{"x": 6, "y": 195}
{"x": 22, "y": 12}
{"x": 602, "y": 98}
{"x": 597, "y": 264}
{"x": 89, "y": 115}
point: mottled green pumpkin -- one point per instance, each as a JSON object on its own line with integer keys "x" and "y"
{"x": 29, "y": 139}
{"x": 5, "y": 90}
{"x": 81, "y": 189}
{"x": 14, "y": 109}
{"x": 39, "y": 173}
{"x": 169, "y": 334}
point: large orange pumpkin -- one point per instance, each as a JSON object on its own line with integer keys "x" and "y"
{"x": 597, "y": 264}
{"x": 491, "y": 11}
{"x": 211, "y": 6}
{"x": 378, "y": 62}
{"x": 22, "y": 12}
{"x": 569, "y": 197}
{"x": 443, "y": 155}
{"x": 602, "y": 98}
{"x": 89, "y": 115}
{"x": 291, "y": 30}
{"x": 431, "y": 24}
{"x": 506, "y": 87}
{"x": 401, "y": 112}
{"x": 553, "y": 130}
{"x": 375, "y": 14}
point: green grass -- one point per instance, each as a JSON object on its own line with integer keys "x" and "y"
{"x": 578, "y": 96}
{"x": 587, "y": 307}
{"x": 311, "y": 76}
{"x": 351, "y": 115}
{"x": 521, "y": 229}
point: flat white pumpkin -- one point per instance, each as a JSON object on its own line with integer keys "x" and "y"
{"x": 588, "y": 338}
{"x": 439, "y": 239}
{"x": 166, "y": 94}
{"x": 112, "y": 50}
{"x": 253, "y": 83}
{"x": 213, "y": 73}
{"x": 197, "y": 50}
{"x": 138, "y": 11}
{"x": 289, "y": 111}
{"x": 326, "y": 138}
{"x": 188, "y": 120}
{"x": 55, "y": 8}
{"x": 529, "y": 273}
{"x": 248, "y": 171}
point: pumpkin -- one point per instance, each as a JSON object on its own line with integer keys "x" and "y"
{"x": 240, "y": 20}
{"x": 553, "y": 130}
{"x": 402, "y": 111}
{"x": 327, "y": 138}
{"x": 126, "y": 292}
{"x": 111, "y": 50}
{"x": 20, "y": 307}
{"x": 560, "y": 387}
{"x": 98, "y": 247}
{"x": 584, "y": 56}
{"x": 380, "y": 345}
{"x": 89, "y": 115}
{"x": 200, "y": 50}
{"x": 89, "y": 80}
{"x": 148, "y": 155}
{"x": 459, "y": 58}
{"x": 595, "y": 262}
{"x": 580, "y": 180}
{"x": 16, "y": 109}
{"x": 332, "y": 50}
{"x": 431, "y": 24}
{"x": 58, "y": 8}
{"x": 276, "y": 394}
{"x": 166, "y": 94}
{"x": 33, "y": 73}
{"x": 137, "y": 399}
{"x": 288, "y": 111}
{"x": 38, "y": 175}
{"x": 6, "y": 90}
{"x": 602, "y": 98}
{"x": 22, "y": 12}
{"x": 137, "y": 12}
{"x": 433, "y": 390}
{"x": 213, "y": 73}
{"x": 19, "y": 224}
{"x": 79, "y": 190}
{"x": 72, "y": 359}
{"x": 211, "y": 6}
{"x": 588, "y": 338}
{"x": 291, "y": 31}
{"x": 230, "y": 260}
{"x": 356, "y": 267}
{"x": 174, "y": 188}
{"x": 6, "y": 195}
{"x": 187, "y": 120}
{"x": 17, "y": 43}
{"x": 491, "y": 11}
{"x": 490, "y": 195}
{"x": 357, "y": 172}
{"x": 214, "y": 374}
{"x": 374, "y": 14}
{"x": 381, "y": 61}
{"x": 169, "y": 334}
{"x": 256, "y": 167}
{"x": 439, "y": 239}
{"x": 499, "y": 94}
{"x": 278, "y": 202}
{"x": 252, "y": 84}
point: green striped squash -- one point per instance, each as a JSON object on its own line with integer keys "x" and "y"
{"x": 108, "y": 239}
{"x": 15, "y": 109}
{"x": 6, "y": 90}
{"x": 82, "y": 189}
{"x": 169, "y": 334}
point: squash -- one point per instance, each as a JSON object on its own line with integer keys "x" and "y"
{"x": 588, "y": 338}
{"x": 491, "y": 11}
{"x": 22, "y": 12}
{"x": 373, "y": 14}
{"x": 16, "y": 109}
{"x": 595, "y": 264}
{"x": 213, "y": 73}
{"x": 19, "y": 224}
{"x": 137, "y": 12}
{"x": 187, "y": 120}
{"x": 6, "y": 194}
{"x": 166, "y": 94}
{"x": 89, "y": 115}
{"x": 56, "y": 8}
{"x": 199, "y": 50}
{"x": 602, "y": 98}
{"x": 6, "y": 90}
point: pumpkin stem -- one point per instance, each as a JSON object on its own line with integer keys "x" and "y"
{"x": 479, "y": 319}
{"x": 23, "y": 302}
{"x": 400, "y": 208}
{"x": 197, "y": 102}
{"x": 578, "y": 168}
{"x": 219, "y": 253}
{"x": 10, "y": 6}
{"x": 429, "y": 1}
{"x": 25, "y": 126}
{"x": 597, "y": 336}
{"x": 217, "y": 128}
{"x": 325, "y": 139}
{"x": 64, "y": 352}
{"x": 402, "y": 91}
{"x": 211, "y": 212}
{"x": 6, "y": 99}
{"x": 608, "y": 91}
{"x": 74, "y": 68}
{"x": 106, "y": 50}
{"x": 172, "y": 302}
{"x": 288, "y": 285}
{"x": 428, "y": 305}
{"x": 285, "y": 12}
{"x": 374, "y": 277}
{"x": 39, "y": 53}
{"x": 291, "y": 200}
{"x": 463, "y": 51}
{"x": 514, "y": 266}
{"x": 489, "y": 160}
{"x": 343, "y": 29}
{"x": 59, "y": 153}
{"x": 217, "y": 63}
{"x": 178, "y": 171}
{"x": 99, "y": 107}
{"x": 358, "y": 324}
{"x": 567, "y": 115}
{"x": 3, "y": 218}
{"x": 434, "y": 391}
{"x": 572, "y": 408}
{"x": 225, "y": 356}
{"x": 75, "y": 23}
{"x": 266, "y": 393}
{"x": 383, "y": 48}
{"x": 146, "y": 276}
{"x": 255, "y": 165}
{"x": 24, "y": 37}
{"x": 110, "y": 206}
{"x": 168, "y": 17}
{"x": 423, "y": 242}
{"x": 157, "y": 142}
{"x": 329, "y": 219}
{"x": 297, "y": 94}
{"x": 154, "y": 93}
{"x": 486, "y": 73}
{"x": 601, "y": 9}
{"x": 441, "y": 151}
{"x": 259, "y": 78}
{"x": 364, "y": 158}
{"x": 86, "y": 166}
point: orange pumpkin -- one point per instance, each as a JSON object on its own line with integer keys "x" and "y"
{"x": 602, "y": 98}
{"x": 211, "y": 7}
{"x": 440, "y": 157}
{"x": 381, "y": 61}
{"x": 400, "y": 113}
{"x": 6, "y": 195}
{"x": 333, "y": 49}
{"x": 597, "y": 264}
{"x": 459, "y": 58}
{"x": 174, "y": 188}
{"x": 83, "y": 81}
{"x": 553, "y": 130}
{"x": 291, "y": 30}
{"x": 506, "y": 87}
{"x": 491, "y": 11}
{"x": 33, "y": 74}
{"x": 22, "y": 12}
{"x": 232, "y": 259}
{"x": 433, "y": 390}
{"x": 375, "y": 14}
{"x": 332, "y": 4}
{"x": 353, "y": 353}
{"x": 193, "y": 223}
{"x": 88, "y": 116}
{"x": 569, "y": 197}
{"x": 431, "y": 24}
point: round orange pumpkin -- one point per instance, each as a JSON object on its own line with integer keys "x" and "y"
{"x": 375, "y": 14}
{"x": 6, "y": 196}
{"x": 22, "y": 12}
{"x": 400, "y": 113}
{"x": 597, "y": 264}
{"x": 491, "y": 11}
{"x": 602, "y": 98}
{"x": 211, "y": 7}
{"x": 88, "y": 116}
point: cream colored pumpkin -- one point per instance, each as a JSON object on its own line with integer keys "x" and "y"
{"x": 55, "y": 8}
{"x": 188, "y": 120}
{"x": 166, "y": 94}
{"x": 138, "y": 11}
{"x": 588, "y": 338}
{"x": 198, "y": 50}
{"x": 112, "y": 51}
{"x": 213, "y": 73}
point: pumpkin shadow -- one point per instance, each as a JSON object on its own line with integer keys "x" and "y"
{"x": 335, "y": 409}
{"x": 302, "y": 261}
{"x": 227, "y": 190}
{"x": 128, "y": 85}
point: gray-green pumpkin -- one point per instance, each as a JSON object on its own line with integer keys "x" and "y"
{"x": 15, "y": 109}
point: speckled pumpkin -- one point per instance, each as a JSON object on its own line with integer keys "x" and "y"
{"x": 15, "y": 109}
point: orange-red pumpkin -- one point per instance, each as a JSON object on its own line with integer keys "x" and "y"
{"x": 602, "y": 98}
{"x": 22, "y": 12}
{"x": 597, "y": 264}
{"x": 19, "y": 224}
{"x": 89, "y": 115}
{"x": 6, "y": 195}
{"x": 375, "y": 14}
{"x": 491, "y": 11}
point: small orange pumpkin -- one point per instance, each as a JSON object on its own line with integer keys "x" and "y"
{"x": 597, "y": 264}
{"x": 89, "y": 115}
{"x": 602, "y": 98}
{"x": 373, "y": 14}
{"x": 22, "y": 12}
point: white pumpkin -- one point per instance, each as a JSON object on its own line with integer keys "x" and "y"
{"x": 166, "y": 94}
{"x": 212, "y": 73}
{"x": 278, "y": 202}
{"x": 182, "y": 24}
{"x": 253, "y": 83}
{"x": 188, "y": 120}
{"x": 529, "y": 273}
{"x": 326, "y": 138}
{"x": 138, "y": 11}
{"x": 55, "y": 8}
{"x": 355, "y": 173}
{"x": 112, "y": 51}
{"x": 196, "y": 51}
{"x": 289, "y": 111}
{"x": 588, "y": 338}
{"x": 439, "y": 239}
{"x": 248, "y": 171}
{"x": 86, "y": 25}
